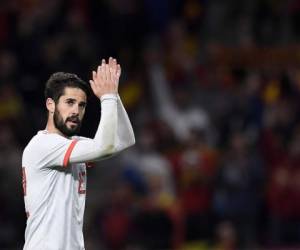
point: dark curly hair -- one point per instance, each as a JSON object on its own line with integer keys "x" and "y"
{"x": 56, "y": 84}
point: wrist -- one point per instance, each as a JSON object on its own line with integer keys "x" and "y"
{"x": 109, "y": 96}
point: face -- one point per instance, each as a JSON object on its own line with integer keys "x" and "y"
{"x": 69, "y": 111}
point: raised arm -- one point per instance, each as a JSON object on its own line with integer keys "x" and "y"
{"x": 125, "y": 135}
{"x": 114, "y": 132}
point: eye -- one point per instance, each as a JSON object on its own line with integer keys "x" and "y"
{"x": 70, "y": 102}
{"x": 82, "y": 105}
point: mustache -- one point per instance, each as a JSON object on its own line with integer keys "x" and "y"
{"x": 73, "y": 119}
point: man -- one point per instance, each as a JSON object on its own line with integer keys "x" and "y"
{"x": 54, "y": 161}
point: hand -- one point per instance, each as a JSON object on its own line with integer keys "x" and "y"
{"x": 106, "y": 79}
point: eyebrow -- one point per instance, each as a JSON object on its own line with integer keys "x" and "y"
{"x": 70, "y": 99}
{"x": 74, "y": 100}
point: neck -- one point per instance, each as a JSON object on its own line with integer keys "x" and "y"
{"x": 50, "y": 127}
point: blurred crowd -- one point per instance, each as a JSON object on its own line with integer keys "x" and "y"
{"x": 212, "y": 89}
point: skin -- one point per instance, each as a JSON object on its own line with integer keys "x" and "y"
{"x": 70, "y": 108}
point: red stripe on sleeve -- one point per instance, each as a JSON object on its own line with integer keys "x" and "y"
{"x": 68, "y": 153}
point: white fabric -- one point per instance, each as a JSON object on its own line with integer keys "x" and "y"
{"x": 55, "y": 195}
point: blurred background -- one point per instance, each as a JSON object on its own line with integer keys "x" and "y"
{"x": 212, "y": 89}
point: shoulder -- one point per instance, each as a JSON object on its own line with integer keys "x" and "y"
{"x": 44, "y": 142}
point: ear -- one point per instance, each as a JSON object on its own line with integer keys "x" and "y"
{"x": 50, "y": 104}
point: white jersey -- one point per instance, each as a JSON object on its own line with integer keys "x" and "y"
{"x": 54, "y": 178}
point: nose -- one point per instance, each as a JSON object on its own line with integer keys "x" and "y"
{"x": 75, "y": 110}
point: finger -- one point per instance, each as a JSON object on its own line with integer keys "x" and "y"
{"x": 92, "y": 83}
{"x": 114, "y": 65}
{"x": 118, "y": 72}
{"x": 110, "y": 62}
{"x": 102, "y": 72}
{"x": 94, "y": 75}
{"x": 112, "y": 72}
{"x": 114, "y": 69}
{"x": 107, "y": 72}
{"x": 98, "y": 75}
{"x": 117, "y": 75}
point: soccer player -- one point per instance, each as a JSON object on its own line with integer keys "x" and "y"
{"x": 54, "y": 161}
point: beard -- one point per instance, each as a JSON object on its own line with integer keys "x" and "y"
{"x": 61, "y": 125}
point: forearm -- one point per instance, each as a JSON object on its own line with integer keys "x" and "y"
{"x": 104, "y": 142}
{"x": 125, "y": 135}
{"x": 114, "y": 133}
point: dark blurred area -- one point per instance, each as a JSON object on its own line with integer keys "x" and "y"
{"x": 212, "y": 89}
